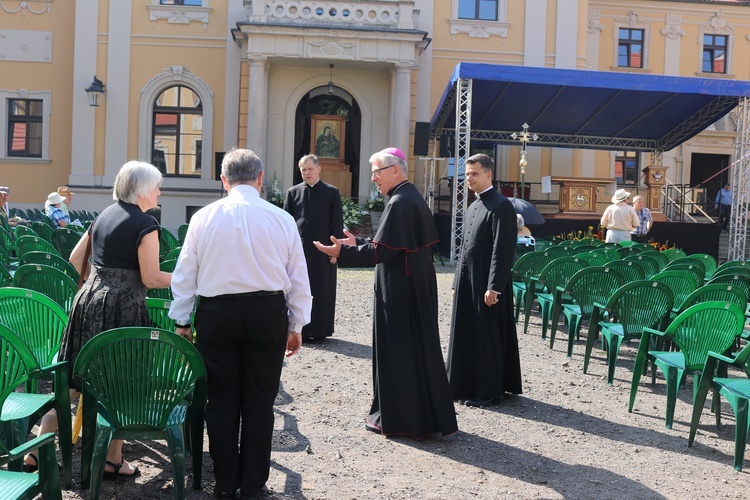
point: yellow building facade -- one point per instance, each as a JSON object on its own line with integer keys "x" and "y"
{"x": 186, "y": 80}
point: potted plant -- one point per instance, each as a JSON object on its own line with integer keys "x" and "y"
{"x": 354, "y": 215}
{"x": 375, "y": 205}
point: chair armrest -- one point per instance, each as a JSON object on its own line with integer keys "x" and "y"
{"x": 46, "y": 370}
{"x": 721, "y": 357}
{"x": 28, "y": 446}
{"x": 600, "y": 306}
{"x": 647, "y": 332}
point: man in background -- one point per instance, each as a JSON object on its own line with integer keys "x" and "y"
{"x": 243, "y": 257}
{"x": 67, "y": 196}
{"x": 483, "y": 359}
{"x": 645, "y": 221}
{"x": 724, "y": 202}
{"x": 316, "y": 206}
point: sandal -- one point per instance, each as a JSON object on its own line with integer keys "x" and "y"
{"x": 115, "y": 474}
{"x": 31, "y": 467}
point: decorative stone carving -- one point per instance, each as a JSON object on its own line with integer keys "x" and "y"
{"x": 24, "y": 6}
{"x": 673, "y": 32}
{"x": 718, "y": 23}
{"x": 183, "y": 14}
{"x": 394, "y": 14}
{"x": 25, "y": 45}
{"x": 594, "y": 27}
{"x": 332, "y": 48}
{"x": 478, "y": 29}
{"x": 631, "y": 19}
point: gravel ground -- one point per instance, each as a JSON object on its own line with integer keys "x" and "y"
{"x": 568, "y": 436}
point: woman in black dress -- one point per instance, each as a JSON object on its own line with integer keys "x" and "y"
{"x": 124, "y": 265}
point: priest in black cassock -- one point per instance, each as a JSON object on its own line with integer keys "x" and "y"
{"x": 483, "y": 360}
{"x": 412, "y": 397}
{"x": 316, "y": 206}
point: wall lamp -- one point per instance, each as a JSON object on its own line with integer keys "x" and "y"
{"x": 95, "y": 91}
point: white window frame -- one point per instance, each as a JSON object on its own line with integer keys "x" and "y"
{"x": 632, "y": 21}
{"x": 476, "y": 28}
{"x": 41, "y": 95}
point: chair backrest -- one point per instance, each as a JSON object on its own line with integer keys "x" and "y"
{"x": 688, "y": 260}
{"x": 52, "y": 282}
{"x": 593, "y": 284}
{"x": 36, "y": 319}
{"x": 559, "y": 271}
{"x": 695, "y": 270}
{"x": 169, "y": 369}
{"x": 173, "y": 254}
{"x": 157, "y": 311}
{"x": 733, "y": 264}
{"x": 733, "y": 269}
{"x": 577, "y": 249}
{"x": 716, "y": 292}
{"x": 639, "y": 305}
{"x": 650, "y": 265}
{"x": 625, "y": 251}
{"x": 42, "y": 229}
{"x": 592, "y": 259}
{"x": 708, "y": 260}
{"x": 542, "y": 245}
{"x": 26, "y": 244}
{"x": 65, "y": 240}
{"x": 5, "y": 258}
{"x": 181, "y": 232}
{"x": 674, "y": 253}
{"x": 682, "y": 284}
{"x": 609, "y": 254}
{"x": 531, "y": 264}
{"x": 739, "y": 280}
{"x": 50, "y": 259}
{"x": 167, "y": 242}
{"x": 660, "y": 258}
{"x": 628, "y": 269}
{"x": 629, "y": 243}
{"x": 17, "y": 361}
{"x": 22, "y": 230}
{"x": 5, "y": 277}
{"x": 7, "y": 242}
{"x": 707, "y": 326}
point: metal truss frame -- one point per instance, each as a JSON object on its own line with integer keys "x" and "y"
{"x": 463, "y": 143}
{"x": 569, "y": 141}
{"x": 740, "y": 183}
{"x": 428, "y": 184}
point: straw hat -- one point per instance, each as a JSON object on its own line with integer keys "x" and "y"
{"x": 54, "y": 198}
{"x": 620, "y": 195}
{"x": 64, "y": 191}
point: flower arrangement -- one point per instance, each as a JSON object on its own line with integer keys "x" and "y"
{"x": 661, "y": 246}
{"x": 588, "y": 234}
{"x": 354, "y": 215}
{"x": 275, "y": 195}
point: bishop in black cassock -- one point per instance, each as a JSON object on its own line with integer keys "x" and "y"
{"x": 316, "y": 206}
{"x": 412, "y": 397}
{"x": 483, "y": 360}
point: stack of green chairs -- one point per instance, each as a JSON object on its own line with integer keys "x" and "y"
{"x": 42, "y": 229}
{"x": 52, "y": 260}
{"x": 52, "y": 282}
{"x": 530, "y": 264}
{"x": 26, "y": 244}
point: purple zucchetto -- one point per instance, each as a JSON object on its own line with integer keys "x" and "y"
{"x": 394, "y": 152}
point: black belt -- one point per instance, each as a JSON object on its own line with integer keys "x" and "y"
{"x": 260, "y": 293}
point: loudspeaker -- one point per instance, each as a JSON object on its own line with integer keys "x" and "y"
{"x": 421, "y": 138}
{"x": 218, "y": 158}
{"x": 446, "y": 146}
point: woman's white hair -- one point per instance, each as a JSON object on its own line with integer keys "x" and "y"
{"x": 135, "y": 178}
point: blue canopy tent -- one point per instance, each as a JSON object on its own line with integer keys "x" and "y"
{"x": 580, "y": 109}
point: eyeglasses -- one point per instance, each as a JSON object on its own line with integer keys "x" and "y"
{"x": 376, "y": 172}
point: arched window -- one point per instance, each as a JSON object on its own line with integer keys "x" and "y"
{"x": 177, "y": 132}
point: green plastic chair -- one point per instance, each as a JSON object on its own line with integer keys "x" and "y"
{"x": 633, "y": 307}
{"x": 628, "y": 269}
{"x": 589, "y": 285}
{"x": 7, "y": 261}
{"x": 173, "y": 254}
{"x": 7, "y": 241}
{"x": 700, "y": 329}
{"x": 542, "y": 244}
{"x": 715, "y": 292}
{"x": 628, "y": 243}
{"x": 625, "y": 251}
{"x": 22, "y": 230}
{"x": 65, "y": 240}
{"x": 16, "y": 484}
{"x": 52, "y": 260}
{"x": 607, "y": 253}
{"x": 650, "y": 265}
{"x": 556, "y": 273}
{"x": 592, "y": 259}
{"x": 688, "y": 260}
{"x": 558, "y": 251}
{"x": 19, "y": 410}
{"x": 52, "y": 282}
{"x": 732, "y": 264}
{"x": 6, "y": 279}
{"x": 696, "y": 271}
{"x": 737, "y": 392}
{"x": 158, "y": 310}
{"x": 731, "y": 270}
{"x": 674, "y": 253}
{"x": 578, "y": 249}
{"x": 738, "y": 280}
{"x": 162, "y": 383}
{"x": 167, "y": 242}
{"x": 25, "y": 244}
{"x": 528, "y": 265}
{"x": 182, "y": 232}
{"x": 42, "y": 229}
{"x": 708, "y": 260}
{"x": 660, "y": 258}
{"x": 681, "y": 283}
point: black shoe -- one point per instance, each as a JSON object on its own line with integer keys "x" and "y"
{"x": 481, "y": 402}
{"x": 372, "y": 427}
{"x": 224, "y": 494}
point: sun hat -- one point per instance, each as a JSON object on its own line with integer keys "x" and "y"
{"x": 620, "y": 195}
{"x": 4, "y": 189}
{"x": 64, "y": 190}
{"x": 394, "y": 152}
{"x": 54, "y": 198}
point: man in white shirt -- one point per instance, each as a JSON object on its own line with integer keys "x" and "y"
{"x": 243, "y": 257}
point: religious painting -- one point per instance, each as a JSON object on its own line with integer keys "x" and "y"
{"x": 327, "y": 137}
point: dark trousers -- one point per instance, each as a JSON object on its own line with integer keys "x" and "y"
{"x": 725, "y": 211}
{"x": 242, "y": 341}
{"x": 640, "y": 238}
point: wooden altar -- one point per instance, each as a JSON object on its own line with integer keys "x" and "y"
{"x": 327, "y": 143}
{"x": 656, "y": 177}
{"x": 578, "y": 196}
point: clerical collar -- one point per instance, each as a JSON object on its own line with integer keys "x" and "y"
{"x": 396, "y": 187}
{"x": 311, "y": 185}
{"x": 479, "y": 195}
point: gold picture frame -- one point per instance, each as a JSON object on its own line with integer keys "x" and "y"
{"x": 327, "y": 137}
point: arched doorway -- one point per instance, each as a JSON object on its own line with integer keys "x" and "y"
{"x": 342, "y": 105}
